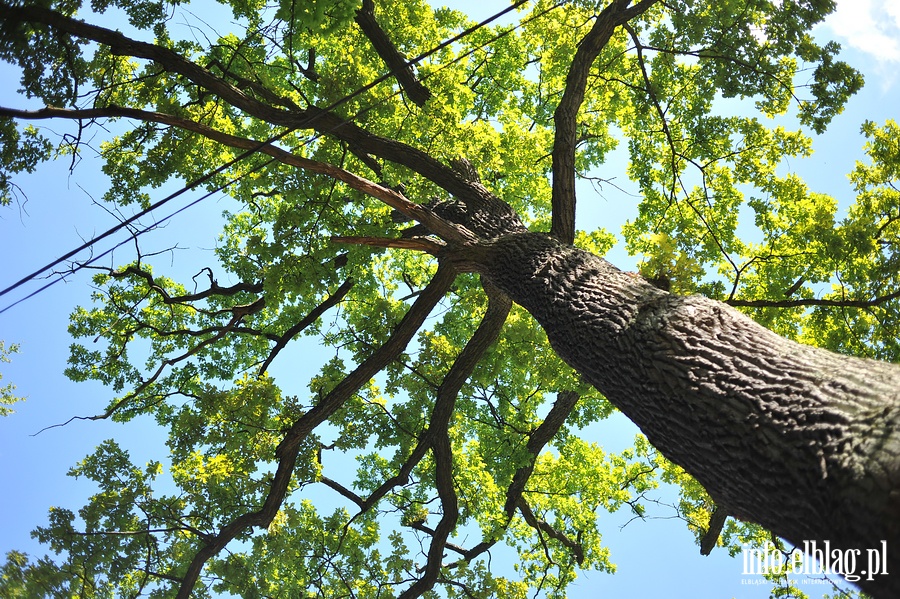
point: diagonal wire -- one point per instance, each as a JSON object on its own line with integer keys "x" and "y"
{"x": 136, "y": 234}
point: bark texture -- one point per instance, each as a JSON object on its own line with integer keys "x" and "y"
{"x": 801, "y": 440}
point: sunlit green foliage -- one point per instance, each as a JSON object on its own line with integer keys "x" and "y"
{"x": 194, "y": 361}
{"x": 7, "y": 392}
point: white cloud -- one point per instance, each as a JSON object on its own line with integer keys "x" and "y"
{"x": 870, "y": 26}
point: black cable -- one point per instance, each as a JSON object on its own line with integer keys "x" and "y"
{"x": 145, "y": 211}
{"x": 62, "y": 276}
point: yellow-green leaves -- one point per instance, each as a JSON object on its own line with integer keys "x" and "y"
{"x": 7, "y": 395}
{"x": 321, "y": 16}
{"x": 864, "y": 251}
{"x": 21, "y": 150}
{"x": 107, "y": 548}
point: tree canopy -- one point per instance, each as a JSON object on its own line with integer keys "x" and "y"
{"x": 365, "y": 144}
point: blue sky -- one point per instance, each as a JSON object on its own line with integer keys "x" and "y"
{"x": 655, "y": 557}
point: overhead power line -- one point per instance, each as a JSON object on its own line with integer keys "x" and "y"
{"x": 206, "y": 177}
{"x": 156, "y": 224}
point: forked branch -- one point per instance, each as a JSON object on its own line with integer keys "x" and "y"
{"x": 312, "y": 117}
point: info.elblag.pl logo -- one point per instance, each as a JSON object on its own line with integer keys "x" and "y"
{"x": 816, "y": 559}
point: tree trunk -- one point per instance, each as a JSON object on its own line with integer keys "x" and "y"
{"x": 798, "y": 439}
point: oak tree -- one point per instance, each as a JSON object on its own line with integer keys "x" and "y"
{"x": 407, "y": 181}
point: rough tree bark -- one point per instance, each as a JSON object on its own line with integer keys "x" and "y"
{"x": 803, "y": 441}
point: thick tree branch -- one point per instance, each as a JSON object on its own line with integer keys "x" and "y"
{"x": 556, "y": 417}
{"x": 419, "y": 213}
{"x": 258, "y": 88}
{"x": 396, "y": 62}
{"x": 488, "y": 210}
{"x": 488, "y": 216}
{"x": 419, "y": 244}
{"x": 803, "y": 441}
{"x": 214, "y": 288}
{"x": 347, "y": 493}
{"x": 546, "y": 528}
{"x": 438, "y": 438}
{"x": 566, "y": 116}
{"x": 414, "y": 318}
{"x": 443, "y": 467}
{"x": 713, "y": 530}
{"x": 485, "y": 335}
